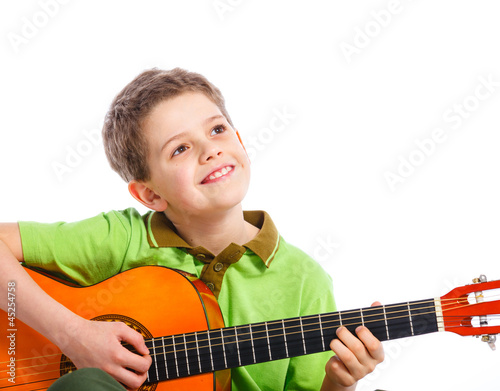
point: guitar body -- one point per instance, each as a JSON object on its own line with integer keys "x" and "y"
{"x": 154, "y": 300}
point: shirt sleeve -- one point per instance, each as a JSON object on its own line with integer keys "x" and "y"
{"x": 87, "y": 251}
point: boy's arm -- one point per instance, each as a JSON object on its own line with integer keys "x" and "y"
{"x": 78, "y": 338}
{"x": 354, "y": 358}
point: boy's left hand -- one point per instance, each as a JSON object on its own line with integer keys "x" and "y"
{"x": 354, "y": 358}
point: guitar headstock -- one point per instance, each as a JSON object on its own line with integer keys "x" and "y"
{"x": 471, "y": 310}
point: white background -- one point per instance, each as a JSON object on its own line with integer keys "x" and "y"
{"x": 362, "y": 80}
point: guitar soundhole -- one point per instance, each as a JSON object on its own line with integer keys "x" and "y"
{"x": 67, "y": 365}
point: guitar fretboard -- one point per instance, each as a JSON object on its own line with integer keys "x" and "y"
{"x": 207, "y": 351}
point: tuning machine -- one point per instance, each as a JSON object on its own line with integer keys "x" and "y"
{"x": 483, "y": 321}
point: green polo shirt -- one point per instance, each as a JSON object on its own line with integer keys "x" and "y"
{"x": 264, "y": 279}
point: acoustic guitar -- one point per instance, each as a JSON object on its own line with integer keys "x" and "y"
{"x": 190, "y": 347}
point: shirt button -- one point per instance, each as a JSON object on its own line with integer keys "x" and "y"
{"x": 211, "y": 286}
{"x": 218, "y": 267}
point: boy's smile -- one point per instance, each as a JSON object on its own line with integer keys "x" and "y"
{"x": 217, "y": 175}
{"x": 198, "y": 165}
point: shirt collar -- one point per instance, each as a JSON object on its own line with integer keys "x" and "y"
{"x": 162, "y": 233}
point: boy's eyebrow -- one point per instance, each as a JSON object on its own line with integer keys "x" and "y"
{"x": 210, "y": 119}
{"x": 182, "y": 134}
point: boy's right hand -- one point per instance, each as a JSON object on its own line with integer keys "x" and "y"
{"x": 99, "y": 345}
{"x": 86, "y": 343}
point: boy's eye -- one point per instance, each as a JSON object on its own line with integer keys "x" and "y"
{"x": 218, "y": 129}
{"x": 179, "y": 150}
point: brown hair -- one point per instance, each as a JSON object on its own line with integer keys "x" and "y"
{"x": 124, "y": 142}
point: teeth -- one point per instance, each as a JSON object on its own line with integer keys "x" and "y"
{"x": 220, "y": 173}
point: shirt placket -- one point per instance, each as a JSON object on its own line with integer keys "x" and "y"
{"x": 216, "y": 266}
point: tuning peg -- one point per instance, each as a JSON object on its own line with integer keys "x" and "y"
{"x": 490, "y": 339}
{"x": 481, "y": 278}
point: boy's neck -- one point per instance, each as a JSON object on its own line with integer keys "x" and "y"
{"x": 216, "y": 231}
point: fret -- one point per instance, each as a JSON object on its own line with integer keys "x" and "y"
{"x": 375, "y": 318}
{"x": 205, "y": 352}
{"x": 198, "y": 351}
{"x": 411, "y": 321}
{"x": 164, "y": 357}
{"x": 154, "y": 357}
{"x": 170, "y": 361}
{"x": 284, "y": 337}
{"x": 230, "y": 347}
{"x": 150, "y": 376}
{"x": 303, "y": 339}
{"x": 187, "y": 355}
{"x": 331, "y": 322}
{"x": 313, "y": 339}
{"x": 261, "y": 347}
{"x": 277, "y": 342}
{"x": 246, "y": 352}
{"x": 223, "y": 347}
{"x": 321, "y": 331}
{"x": 253, "y": 347}
{"x": 237, "y": 345}
{"x": 386, "y": 325}
{"x": 424, "y": 317}
{"x": 398, "y": 321}
{"x": 211, "y": 352}
{"x": 294, "y": 337}
{"x": 180, "y": 353}
{"x": 352, "y": 319}
{"x": 218, "y": 349}
{"x": 192, "y": 354}
{"x": 268, "y": 343}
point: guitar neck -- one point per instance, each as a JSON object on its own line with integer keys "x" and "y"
{"x": 217, "y": 349}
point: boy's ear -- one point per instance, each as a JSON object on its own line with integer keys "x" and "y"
{"x": 147, "y": 197}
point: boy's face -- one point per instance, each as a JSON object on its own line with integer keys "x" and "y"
{"x": 197, "y": 163}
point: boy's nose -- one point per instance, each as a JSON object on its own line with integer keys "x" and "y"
{"x": 211, "y": 154}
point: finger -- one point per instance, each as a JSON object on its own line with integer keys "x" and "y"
{"x": 347, "y": 347}
{"x": 131, "y": 380}
{"x": 371, "y": 343}
{"x": 337, "y": 371}
{"x": 351, "y": 342}
{"x": 134, "y": 338}
{"x": 376, "y": 304}
{"x": 353, "y": 353}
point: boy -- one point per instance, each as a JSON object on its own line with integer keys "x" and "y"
{"x": 169, "y": 136}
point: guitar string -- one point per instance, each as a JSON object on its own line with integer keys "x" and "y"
{"x": 204, "y": 361}
{"x": 269, "y": 323}
{"x": 304, "y": 318}
{"x": 322, "y": 323}
{"x": 307, "y": 317}
{"x": 201, "y": 362}
{"x": 280, "y": 328}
